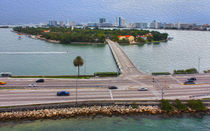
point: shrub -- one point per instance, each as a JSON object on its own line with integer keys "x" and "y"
{"x": 105, "y": 74}
{"x": 206, "y": 71}
{"x": 134, "y": 106}
{"x": 196, "y": 105}
{"x": 187, "y": 71}
{"x": 179, "y": 105}
{"x": 166, "y": 106}
{"x": 161, "y": 73}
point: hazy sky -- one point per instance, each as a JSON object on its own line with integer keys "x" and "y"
{"x": 83, "y": 11}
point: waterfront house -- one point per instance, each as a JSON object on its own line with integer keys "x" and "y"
{"x": 130, "y": 38}
{"x": 46, "y": 31}
{"x": 145, "y": 36}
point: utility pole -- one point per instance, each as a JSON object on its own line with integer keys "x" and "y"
{"x": 76, "y": 90}
{"x": 199, "y": 59}
{"x": 162, "y": 90}
{"x": 85, "y": 64}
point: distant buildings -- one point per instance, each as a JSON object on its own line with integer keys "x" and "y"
{"x": 53, "y": 23}
{"x": 168, "y": 26}
{"x": 92, "y": 24}
{"x": 155, "y": 25}
{"x": 61, "y": 24}
{"x": 140, "y": 25}
{"x": 102, "y": 20}
{"x": 70, "y": 24}
{"x": 120, "y": 22}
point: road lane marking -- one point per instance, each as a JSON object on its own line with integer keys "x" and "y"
{"x": 178, "y": 81}
{"x": 110, "y": 92}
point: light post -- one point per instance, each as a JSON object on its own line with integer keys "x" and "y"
{"x": 76, "y": 88}
{"x": 199, "y": 60}
{"x": 162, "y": 90}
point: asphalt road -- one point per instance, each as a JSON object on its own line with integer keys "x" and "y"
{"x": 96, "y": 89}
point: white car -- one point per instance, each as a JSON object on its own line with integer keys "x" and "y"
{"x": 142, "y": 89}
{"x": 32, "y": 85}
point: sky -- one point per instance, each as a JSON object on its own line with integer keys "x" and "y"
{"x": 84, "y": 11}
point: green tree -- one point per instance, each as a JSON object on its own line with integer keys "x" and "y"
{"x": 141, "y": 40}
{"x": 196, "y": 105}
{"x": 166, "y": 106}
{"x": 78, "y": 61}
{"x": 178, "y": 104}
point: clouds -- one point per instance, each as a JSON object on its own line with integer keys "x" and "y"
{"x": 35, "y": 11}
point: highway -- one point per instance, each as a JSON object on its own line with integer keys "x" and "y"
{"x": 18, "y": 92}
{"x": 40, "y": 96}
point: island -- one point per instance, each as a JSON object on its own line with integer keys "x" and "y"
{"x": 70, "y": 35}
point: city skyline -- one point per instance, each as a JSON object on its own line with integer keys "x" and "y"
{"x": 169, "y": 11}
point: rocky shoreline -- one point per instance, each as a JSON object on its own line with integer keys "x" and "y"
{"x": 83, "y": 111}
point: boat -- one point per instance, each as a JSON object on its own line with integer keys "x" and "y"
{"x": 19, "y": 37}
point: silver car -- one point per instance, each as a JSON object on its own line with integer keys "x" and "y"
{"x": 32, "y": 85}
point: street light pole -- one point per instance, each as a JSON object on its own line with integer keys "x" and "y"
{"x": 162, "y": 90}
{"x": 199, "y": 59}
{"x": 76, "y": 91}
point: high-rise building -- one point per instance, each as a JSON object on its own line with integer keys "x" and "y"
{"x": 92, "y": 24}
{"x": 102, "y": 20}
{"x": 123, "y": 23}
{"x": 140, "y": 25}
{"x": 69, "y": 23}
{"x": 120, "y": 22}
{"x": 155, "y": 25}
{"x": 61, "y": 24}
{"x": 53, "y": 23}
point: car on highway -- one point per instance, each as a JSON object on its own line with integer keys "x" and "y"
{"x": 191, "y": 79}
{"x": 189, "y": 82}
{"x": 63, "y": 93}
{"x": 40, "y": 81}
{"x": 2, "y": 83}
{"x": 5, "y": 74}
{"x": 142, "y": 89}
{"x": 32, "y": 85}
{"x": 113, "y": 87}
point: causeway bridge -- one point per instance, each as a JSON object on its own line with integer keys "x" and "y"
{"x": 125, "y": 65}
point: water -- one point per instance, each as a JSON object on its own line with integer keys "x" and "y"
{"x": 35, "y": 57}
{"x": 115, "y": 123}
{"x": 182, "y": 52}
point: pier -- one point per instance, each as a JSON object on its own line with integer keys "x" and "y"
{"x": 125, "y": 65}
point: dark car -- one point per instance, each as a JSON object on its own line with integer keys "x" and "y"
{"x": 5, "y": 74}
{"x": 112, "y": 87}
{"x": 142, "y": 89}
{"x": 63, "y": 93}
{"x": 40, "y": 81}
{"x": 189, "y": 82}
{"x": 191, "y": 79}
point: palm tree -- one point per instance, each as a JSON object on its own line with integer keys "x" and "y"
{"x": 78, "y": 61}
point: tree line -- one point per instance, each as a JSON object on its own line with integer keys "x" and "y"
{"x": 67, "y": 35}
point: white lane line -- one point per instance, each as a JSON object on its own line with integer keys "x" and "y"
{"x": 178, "y": 81}
{"x": 110, "y": 92}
